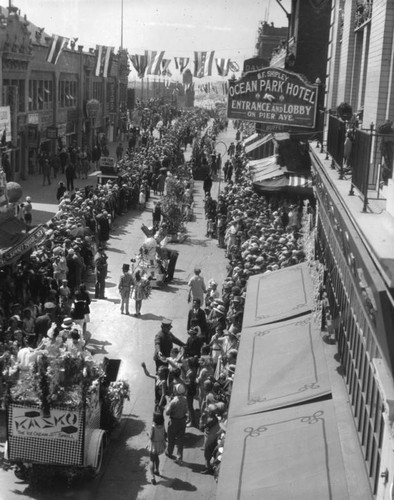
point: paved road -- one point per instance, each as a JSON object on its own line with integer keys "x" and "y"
{"x": 125, "y": 472}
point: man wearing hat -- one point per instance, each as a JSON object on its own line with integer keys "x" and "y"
{"x": 44, "y": 321}
{"x": 164, "y": 341}
{"x": 177, "y": 412}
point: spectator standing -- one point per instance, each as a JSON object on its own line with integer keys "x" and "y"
{"x": 60, "y": 191}
{"x": 101, "y": 273}
{"x": 46, "y": 172}
{"x": 27, "y": 209}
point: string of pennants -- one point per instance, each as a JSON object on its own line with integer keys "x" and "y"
{"x": 151, "y": 62}
{"x": 154, "y": 63}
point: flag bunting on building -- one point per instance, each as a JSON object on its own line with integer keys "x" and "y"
{"x": 181, "y": 63}
{"x": 139, "y": 62}
{"x": 56, "y": 48}
{"x": 154, "y": 60}
{"x": 103, "y": 60}
{"x": 203, "y": 62}
{"x": 222, "y": 66}
{"x": 165, "y": 71}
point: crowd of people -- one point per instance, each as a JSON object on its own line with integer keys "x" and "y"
{"x": 46, "y": 291}
{"x": 193, "y": 379}
{"x": 45, "y": 286}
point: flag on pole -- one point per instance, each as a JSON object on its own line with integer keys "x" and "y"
{"x": 103, "y": 60}
{"x": 222, "y": 66}
{"x": 181, "y": 63}
{"x": 165, "y": 67}
{"x": 56, "y": 48}
{"x": 139, "y": 62}
{"x": 203, "y": 63}
{"x": 154, "y": 60}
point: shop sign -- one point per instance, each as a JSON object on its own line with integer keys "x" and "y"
{"x": 52, "y": 133}
{"x": 92, "y": 108}
{"x": 33, "y": 119}
{"x": 5, "y": 123}
{"x": 30, "y": 423}
{"x": 273, "y": 96}
{"x": 19, "y": 249}
{"x": 254, "y": 63}
{"x": 33, "y": 136}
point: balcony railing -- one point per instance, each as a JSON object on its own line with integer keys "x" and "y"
{"x": 367, "y": 159}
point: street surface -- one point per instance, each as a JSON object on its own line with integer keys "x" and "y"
{"x": 125, "y": 470}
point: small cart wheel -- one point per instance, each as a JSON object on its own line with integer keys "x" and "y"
{"x": 95, "y": 450}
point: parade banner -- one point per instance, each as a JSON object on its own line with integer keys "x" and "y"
{"x": 273, "y": 96}
{"x": 61, "y": 424}
{"x": 29, "y": 241}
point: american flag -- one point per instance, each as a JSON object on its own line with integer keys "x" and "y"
{"x": 56, "y": 48}
{"x": 154, "y": 60}
{"x": 139, "y": 62}
{"x": 165, "y": 67}
{"x": 203, "y": 62}
{"x": 222, "y": 66}
{"x": 103, "y": 60}
{"x": 181, "y": 63}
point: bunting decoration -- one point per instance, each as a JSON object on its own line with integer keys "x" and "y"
{"x": 139, "y": 62}
{"x": 222, "y": 66}
{"x": 103, "y": 60}
{"x": 154, "y": 60}
{"x": 203, "y": 62}
{"x": 56, "y": 48}
{"x": 181, "y": 63}
{"x": 165, "y": 67}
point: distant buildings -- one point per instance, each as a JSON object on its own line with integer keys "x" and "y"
{"x": 55, "y": 104}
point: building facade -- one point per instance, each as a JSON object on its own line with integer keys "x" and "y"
{"x": 49, "y": 103}
{"x": 353, "y": 243}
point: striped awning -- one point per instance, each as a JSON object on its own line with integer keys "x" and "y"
{"x": 255, "y": 141}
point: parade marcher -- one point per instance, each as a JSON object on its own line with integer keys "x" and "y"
{"x": 141, "y": 291}
{"x": 157, "y": 444}
{"x": 177, "y": 413}
{"x": 125, "y": 283}
{"x": 197, "y": 314}
{"x": 164, "y": 341}
{"x": 197, "y": 288}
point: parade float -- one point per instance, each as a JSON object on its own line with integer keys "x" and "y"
{"x": 59, "y": 413}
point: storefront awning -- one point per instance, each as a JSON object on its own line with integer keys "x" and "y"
{"x": 288, "y": 453}
{"x": 21, "y": 245}
{"x": 285, "y": 366}
{"x": 266, "y": 168}
{"x": 255, "y": 141}
{"x": 266, "y": 302}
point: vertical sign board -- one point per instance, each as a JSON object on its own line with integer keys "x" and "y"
{"x": 5, "y": 123}
{"x": 273, "y": 96}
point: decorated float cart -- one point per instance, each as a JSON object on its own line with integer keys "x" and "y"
{"x": 59, "y": 415}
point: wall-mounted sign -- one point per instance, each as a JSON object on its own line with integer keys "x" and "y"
{"x": 273, "y": 96}
{"x": 52, "y": 132}
{"x": 254, "y": 63}
{"x": 92, "y": 108}
{"x": 33, "y": 119}
{"x": 5, "y": 123}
